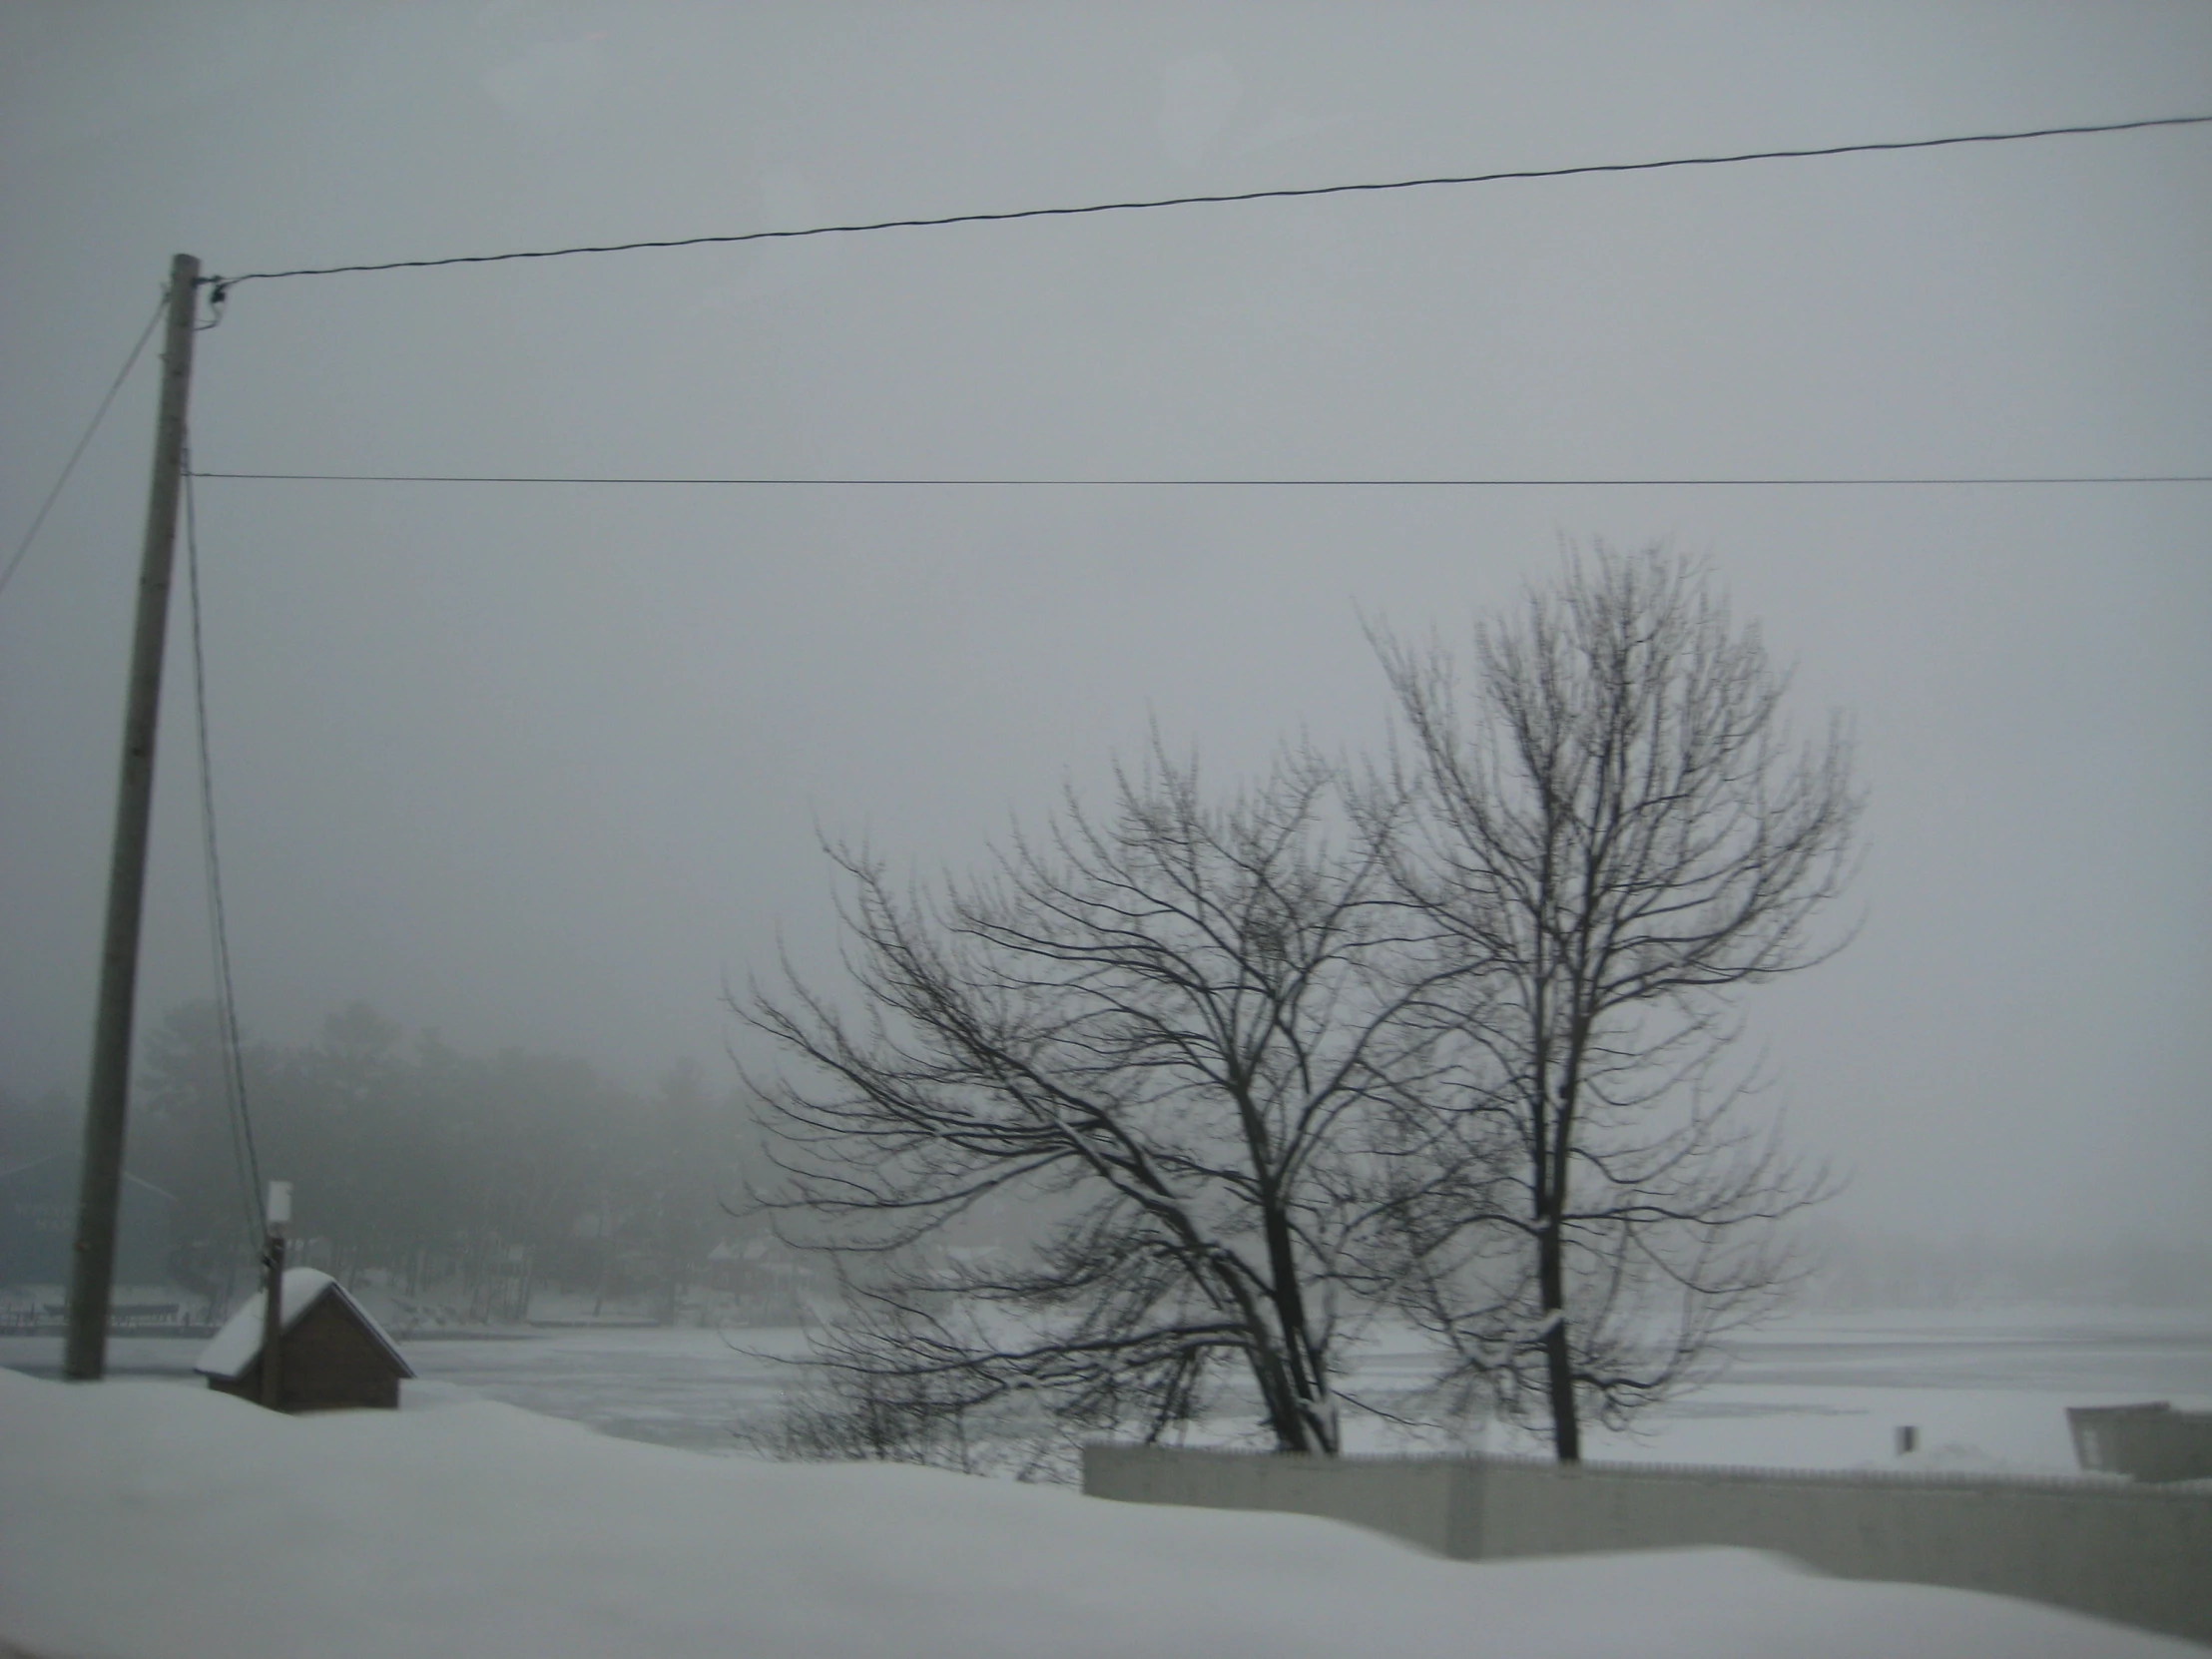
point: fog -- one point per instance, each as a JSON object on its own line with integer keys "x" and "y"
{"x": 546, "y": 766}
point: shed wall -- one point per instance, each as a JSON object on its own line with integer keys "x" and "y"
{"x": 331, "y": 1364}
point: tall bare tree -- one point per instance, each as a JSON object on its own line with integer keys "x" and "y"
{"x": 1169, "y": 1026}
{"x": 1614, "y": 831}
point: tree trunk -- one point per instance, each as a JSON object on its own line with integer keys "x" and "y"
{"x": 1566, "y": 1429}
{"x": 1306, "y": 1391}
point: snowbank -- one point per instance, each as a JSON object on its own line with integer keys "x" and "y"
{"x": 152, "y": 1521}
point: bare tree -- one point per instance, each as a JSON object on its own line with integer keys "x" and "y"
{"x": 1614, "y": 829}
{"x": 1170, "y": 1027}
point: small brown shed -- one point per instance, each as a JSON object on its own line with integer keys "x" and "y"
{"x": 334, "y": 1354}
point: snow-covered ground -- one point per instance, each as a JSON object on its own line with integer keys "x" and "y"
{"x": 1984, "y": 1387}
{"x": 143, "y": 1520}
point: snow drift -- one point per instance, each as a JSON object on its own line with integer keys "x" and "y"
{"x": 143, "y": 1520}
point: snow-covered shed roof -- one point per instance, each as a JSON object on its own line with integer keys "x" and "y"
{"x": 239, "y": 1343}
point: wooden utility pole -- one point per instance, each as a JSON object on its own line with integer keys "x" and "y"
{"x": 100, "y": 1189}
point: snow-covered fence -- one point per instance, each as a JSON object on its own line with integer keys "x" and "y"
{"x": 2127, "y": 1553}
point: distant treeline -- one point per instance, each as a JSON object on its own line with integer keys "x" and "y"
{"x": 467, "y": 1182}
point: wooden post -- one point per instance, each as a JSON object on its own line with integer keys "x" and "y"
{"x": 273, "y": 1297}
{"x": 100, "y": 1182}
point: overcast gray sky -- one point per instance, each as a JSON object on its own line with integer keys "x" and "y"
{"x": 544, "y": 766}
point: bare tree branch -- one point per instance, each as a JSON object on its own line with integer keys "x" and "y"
{"x": 1188, "y": 1020}
{"x": 1612, "y": 831}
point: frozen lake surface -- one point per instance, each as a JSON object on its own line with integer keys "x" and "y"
{"x": 1984, "y": 1387}
{"x": 1830, "y": 1392}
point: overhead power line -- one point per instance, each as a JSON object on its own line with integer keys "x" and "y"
{"x": 1210, "y": 483}
{"x": 223, "y": 285}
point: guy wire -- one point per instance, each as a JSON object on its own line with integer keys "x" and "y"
{"x": 233, "y": 1057}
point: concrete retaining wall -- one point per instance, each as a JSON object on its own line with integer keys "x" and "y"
{"x": 2140, "y": 1556}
